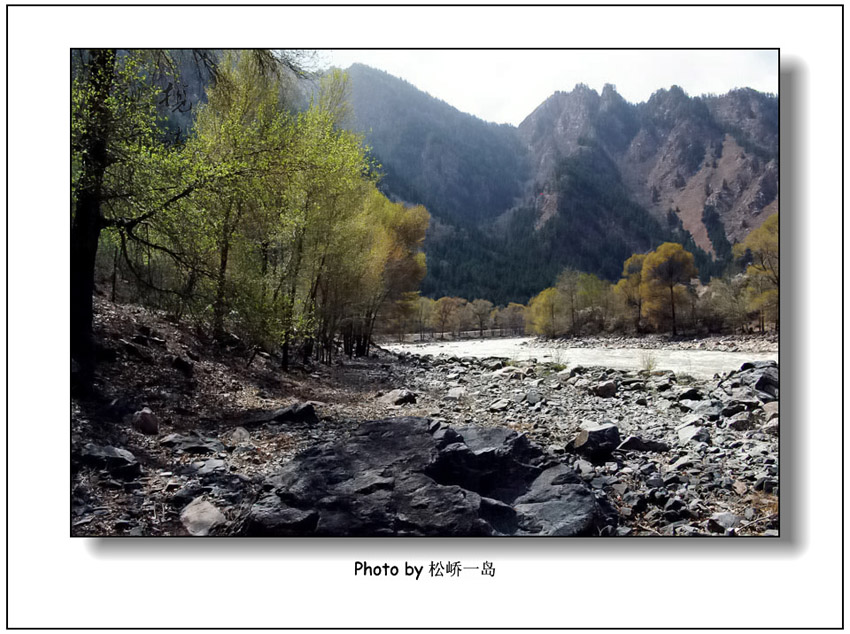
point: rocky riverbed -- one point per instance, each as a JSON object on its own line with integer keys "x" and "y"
{"x": 181, "y": 441}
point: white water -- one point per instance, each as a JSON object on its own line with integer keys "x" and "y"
{"x": 697, "y": 363}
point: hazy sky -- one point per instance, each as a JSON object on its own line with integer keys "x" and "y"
{"x": 505, "y": 86}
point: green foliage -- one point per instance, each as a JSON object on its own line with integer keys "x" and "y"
{"x": 717, "y": 233}
{"x": 281, "y": 233}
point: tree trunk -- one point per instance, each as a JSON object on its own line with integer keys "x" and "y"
{"x": 673, "y": 309}
{"x": 87, "y": 221}
{"x": 218, "y": 306}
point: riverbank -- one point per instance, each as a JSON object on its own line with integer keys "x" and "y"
{"x": 670, "y": 454}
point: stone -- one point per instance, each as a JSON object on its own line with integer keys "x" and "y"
{"x": 456, "y": 393}
{"x": 135, "y": 351}
{"x": 690, "y": 394}
{"x": 211, "y": 465}
{"x": 675, "y": 505}
{"x": 192, "y": 443}
{"x": 760, "y": 376}
{"x": 688, "y": 405}
{"x": 238, "y": 436}
{"x": 200, "y": 517}
{"x": 682, "y": 463}
{"x": 118, "y": 462}
{"x": 768, "y": 485}
{"x": 606, "y": 389}
{"x": 732, "y": 408}
{"x": 722, "y": 522}
{"x": 183, "y": 365}
{"x": 597, "y": 442}
{"x": 499, "y": 406}
{"x": 398, "y": 397}
{"x": 740, "y": 422}
{"x": 493, "y": 363}
{"x": 533, "y": 397}
{"x": 584, "y": 467}
{"x": 297, "y": 413}
{"x": 708, "y": 410}
{"x": 772, "y": 427}
{"x": 414, "y": 477}
{"x": 693, "y": 434}
{"x": 118, "y": 408}
{"x": 634, "y": 443}
{"x": 771, "y": 410}
{"x": 690, "y": 420}
{"x": 146, "y": 422}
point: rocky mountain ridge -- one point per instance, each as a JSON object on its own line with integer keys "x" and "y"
{"x": 699, "y": 170}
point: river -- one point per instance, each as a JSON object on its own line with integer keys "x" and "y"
{"x": 697, "y": 363}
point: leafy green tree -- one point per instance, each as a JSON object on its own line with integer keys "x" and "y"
{"x": 114, "y": 156}
{"x": 727, "y": 300}
{"x": 124, "y": 174}
{"x": 761, "y": 249}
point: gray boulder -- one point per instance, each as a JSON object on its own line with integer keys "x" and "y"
{"x": 723, "y": 522}
{"x": 499, "y": 406}
{"x": 606, "y": 389}
{"x": 693, "y": 433}
{"x": 200, "y": 517}
{"x": 146, "y": 422}
{"x": 456, "y": 393}
{"x": 635, "y": 443}
{"x": 296, "y": 413}
{"x": 416, "y": 477}
{"x": 597, "y": 442}
{"x": 118, "y": 462}
{"x": 398, "y": 397}
{"x": 192, "y": 443}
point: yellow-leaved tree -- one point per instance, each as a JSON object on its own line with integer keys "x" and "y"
{"x": 545, "y": 312}
{"x": 665, "y": 277}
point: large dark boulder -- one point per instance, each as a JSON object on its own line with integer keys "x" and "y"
{"x": 416, "y": 477}
{"x": 597, "y": 442}
{"x": 760, "y": 376}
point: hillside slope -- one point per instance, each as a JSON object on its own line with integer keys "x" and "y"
{"x": 584, "y": 181}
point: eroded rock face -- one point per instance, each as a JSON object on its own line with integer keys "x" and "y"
{"x": 414, "y": 476}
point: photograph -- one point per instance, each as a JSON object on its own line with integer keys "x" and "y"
{"x": 433, "y": 292}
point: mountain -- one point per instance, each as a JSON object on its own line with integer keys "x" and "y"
{"x": 585, "y": 180}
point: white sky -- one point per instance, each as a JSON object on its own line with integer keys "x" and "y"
{"x": 505, "y": 86}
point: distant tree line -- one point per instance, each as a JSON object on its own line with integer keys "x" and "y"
{"x": 658, "y": 291}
